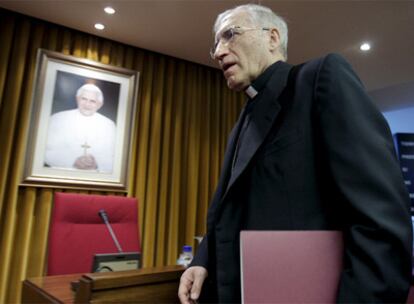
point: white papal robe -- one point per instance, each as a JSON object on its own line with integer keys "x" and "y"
{"x": 72, "y": 134}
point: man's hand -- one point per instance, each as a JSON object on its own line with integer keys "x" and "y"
{"x": 85, "y": 162}
{"x": 191, "y": 283}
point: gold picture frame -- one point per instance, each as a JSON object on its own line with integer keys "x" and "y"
{"x": 62, "y": 132}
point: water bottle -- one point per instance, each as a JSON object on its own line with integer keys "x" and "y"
{"x": 186, "y": 256}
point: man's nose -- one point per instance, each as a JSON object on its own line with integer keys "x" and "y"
{"x": 221, "y": 50}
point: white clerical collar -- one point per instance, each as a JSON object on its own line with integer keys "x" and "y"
{"x": 251, "y": 92}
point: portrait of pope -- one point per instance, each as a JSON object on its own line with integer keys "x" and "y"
{"x": 82, "y": 138}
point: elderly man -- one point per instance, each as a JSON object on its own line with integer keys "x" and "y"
{"x": 310, "y": 151}
{"x": 82, "y": 138}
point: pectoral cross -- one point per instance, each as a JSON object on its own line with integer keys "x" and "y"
{"x": 85, "y": 147}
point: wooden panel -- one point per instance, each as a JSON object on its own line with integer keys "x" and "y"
{"x": 144, "y": 285}
{"x": 148, "y": 285}
{"x": 153, "y": 293}
{"x": 52, "y": 289}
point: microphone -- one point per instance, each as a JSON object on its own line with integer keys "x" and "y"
{"x": 104, "y": 216}
{"x": 102, "y": 213}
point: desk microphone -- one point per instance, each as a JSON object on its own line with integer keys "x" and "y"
{"x": 102, "y": 213}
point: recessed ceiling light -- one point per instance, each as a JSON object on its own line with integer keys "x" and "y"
{"x": 365, "y": 47}
{"x": 99, "y": 26}
{"x": 109, "y": 10}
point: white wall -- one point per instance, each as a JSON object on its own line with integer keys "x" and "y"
{"x": 401, "y": 120}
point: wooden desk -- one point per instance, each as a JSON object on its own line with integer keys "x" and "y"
{"x": 157, "y": 285}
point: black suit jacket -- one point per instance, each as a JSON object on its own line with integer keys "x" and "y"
{"x": 317, "y": 155}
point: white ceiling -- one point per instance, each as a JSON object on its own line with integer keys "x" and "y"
{"x": 182, "y": 28}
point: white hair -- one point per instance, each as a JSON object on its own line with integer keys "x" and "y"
{"x": 261, "y": 16}
{"x": 91, "y": 88}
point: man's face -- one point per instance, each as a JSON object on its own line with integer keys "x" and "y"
{"x": 244, "y": 57}
{"x": 88, "y": 103}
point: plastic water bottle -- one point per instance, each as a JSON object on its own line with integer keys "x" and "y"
{"x": 186, "y": 256}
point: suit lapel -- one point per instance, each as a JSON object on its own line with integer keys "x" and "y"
{"x": 262, "y": 118}
{"x": 227, "y": 162}
{"x": 229, "y": 154}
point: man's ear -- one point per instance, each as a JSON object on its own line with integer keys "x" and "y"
{"x": 274, "y": 40}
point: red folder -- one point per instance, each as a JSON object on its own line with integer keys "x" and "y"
{"x": 290, "y": 266}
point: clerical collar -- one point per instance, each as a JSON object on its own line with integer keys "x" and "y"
{"x": 259, "y": 83}
{"x": 251, "y": 92}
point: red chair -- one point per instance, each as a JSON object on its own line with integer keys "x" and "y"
{"x": 77, "y": 232}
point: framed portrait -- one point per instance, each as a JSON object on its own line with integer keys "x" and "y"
{"x": 81, "y": 125}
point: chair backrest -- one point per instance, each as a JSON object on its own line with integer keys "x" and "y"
{"x": 77, "y": 232}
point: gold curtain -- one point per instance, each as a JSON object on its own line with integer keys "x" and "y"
{"x": 184, "y": 114}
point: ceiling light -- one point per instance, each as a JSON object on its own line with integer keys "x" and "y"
{"x": 365, "y": 47}
{"x": 109, "y": 10}
{"x": 99, "y": 26}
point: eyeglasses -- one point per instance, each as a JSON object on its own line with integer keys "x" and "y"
{"x": 228, "y": 35}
